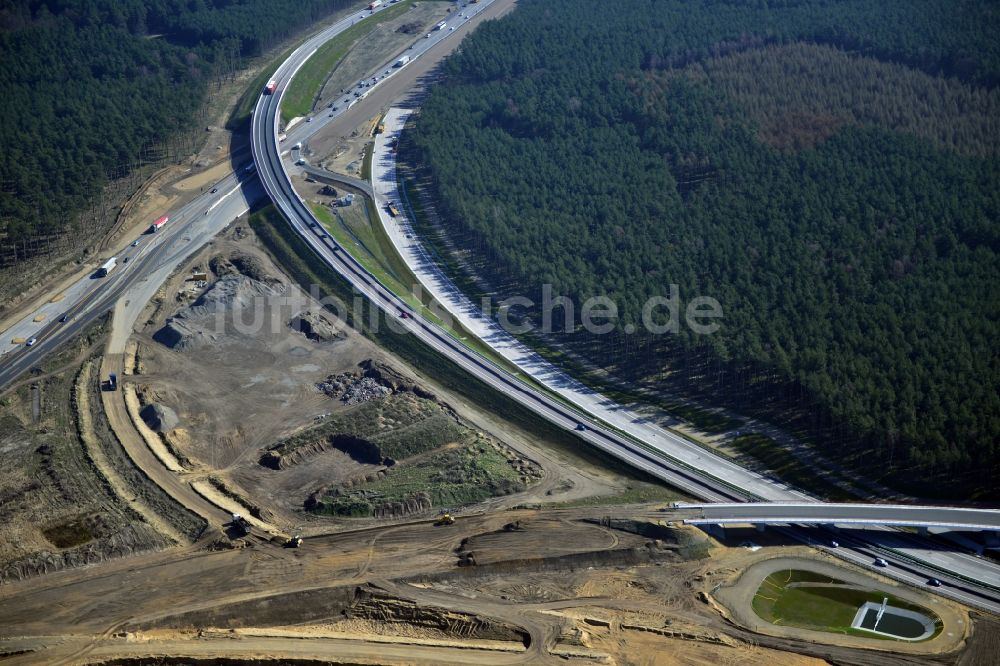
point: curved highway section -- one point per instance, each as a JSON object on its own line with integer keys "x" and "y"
{"x": 696, "y": 481}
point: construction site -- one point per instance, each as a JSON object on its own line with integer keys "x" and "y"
{"x": 244, "y": 470}
{"x": 379, "y": 516}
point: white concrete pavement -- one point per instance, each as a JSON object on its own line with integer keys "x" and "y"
{"x": 442, "y": 289}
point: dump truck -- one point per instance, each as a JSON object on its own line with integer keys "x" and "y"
{"x": 240, "y": 524}
{"x": 391, "y": 207}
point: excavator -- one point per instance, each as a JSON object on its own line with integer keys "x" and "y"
{"x": 444, "y": 518}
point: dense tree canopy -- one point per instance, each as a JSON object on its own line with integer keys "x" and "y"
{"x": 852, "y": 243}
{"x": 90, "y": 85}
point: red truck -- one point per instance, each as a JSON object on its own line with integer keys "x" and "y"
{"x": 271, "y": 86}
{"x": 156, "y": 226}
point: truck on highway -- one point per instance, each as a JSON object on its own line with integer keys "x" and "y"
{"x": 156, "y": 226}
{"x": 271, "y": 86}
{"x": 441, "y": 26}
{"x": 374, "y": 4}
{"x": 107, "y": 267}
{"x": 112, "y": 382}
{"x": 402, "y": 61}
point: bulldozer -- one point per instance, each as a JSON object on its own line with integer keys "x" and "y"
{"x": 445, "y": 519}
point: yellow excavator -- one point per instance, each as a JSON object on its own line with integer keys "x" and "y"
{"x": 445, "y": 518}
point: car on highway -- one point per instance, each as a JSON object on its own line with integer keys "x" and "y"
{"x": 879, "y": 562}
{"x": 934, "y": 582}
{"x": 64, "y": 319}
{"x": 135, "y": 243}
{"x": 31, "y": 342}
{"x": 214, "y": 190}
{"x": 834, "y": 544}
{"x": 125, "y": 260}
{"x": 581, "y": 427}
{"x": 309, "y": 119}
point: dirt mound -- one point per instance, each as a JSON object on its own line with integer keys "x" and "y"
{"x": 373, "y": 603}
{"x": 315, "y": 326}
{"x": 196, "y": 325}
{"x": 179, "y": 334}
{"x": 230, "y": 292}
{"x": 159, "y": 418}
{"x": 359, "y": 449}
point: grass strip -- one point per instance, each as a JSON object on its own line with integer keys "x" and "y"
{"x": 304, "y": 88}
{"x": 307, "y": 269}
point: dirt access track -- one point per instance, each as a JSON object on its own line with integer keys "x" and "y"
{"x": 555, "y": 586}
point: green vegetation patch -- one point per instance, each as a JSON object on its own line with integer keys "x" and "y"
{"x": 779, "y": 461}
{"x": 400, "y": 425}
{"x": 451, "y": 478}
{"x": 832, "y": 230}
{"x": 308, "y": 271}
{"x": 814, "y": 601}
{"x": 308, "y": 81}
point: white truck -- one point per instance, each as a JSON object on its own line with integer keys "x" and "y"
{"x": 107, "y": 267}
{"x": 402, "y": 61}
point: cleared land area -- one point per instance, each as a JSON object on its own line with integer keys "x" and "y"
{"x": 522, "y": 586}
{"x": 59, "y": 508}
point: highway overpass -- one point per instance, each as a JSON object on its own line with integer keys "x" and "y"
{"x": 700, "y": 474}
{"x": 890, "y": 515}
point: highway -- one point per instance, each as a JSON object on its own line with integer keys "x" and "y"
{"x": 150, "y": 262}
{"x": 692, "y": 478}
{"x": 956, "y": 518}
{"x": 194, "y": 224}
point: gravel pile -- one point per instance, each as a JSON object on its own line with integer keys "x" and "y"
{"x": 365, "y": 390}
{"x": 335, "y": 385}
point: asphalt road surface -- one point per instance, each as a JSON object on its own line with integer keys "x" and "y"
{"x": 695, "y": 479}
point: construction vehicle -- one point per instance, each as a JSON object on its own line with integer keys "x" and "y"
{"x": 445, "y": 519}
{"x": 240, "y": 524}
{"x": 391, "y": 207}
{"x": 293, "y": 541}
{"x": 112, "y": 382}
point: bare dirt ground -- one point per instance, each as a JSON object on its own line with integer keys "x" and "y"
{"x": 550, "y": 586}
{"x": 70, "y": 499}
{"x": 242, "y": 379}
